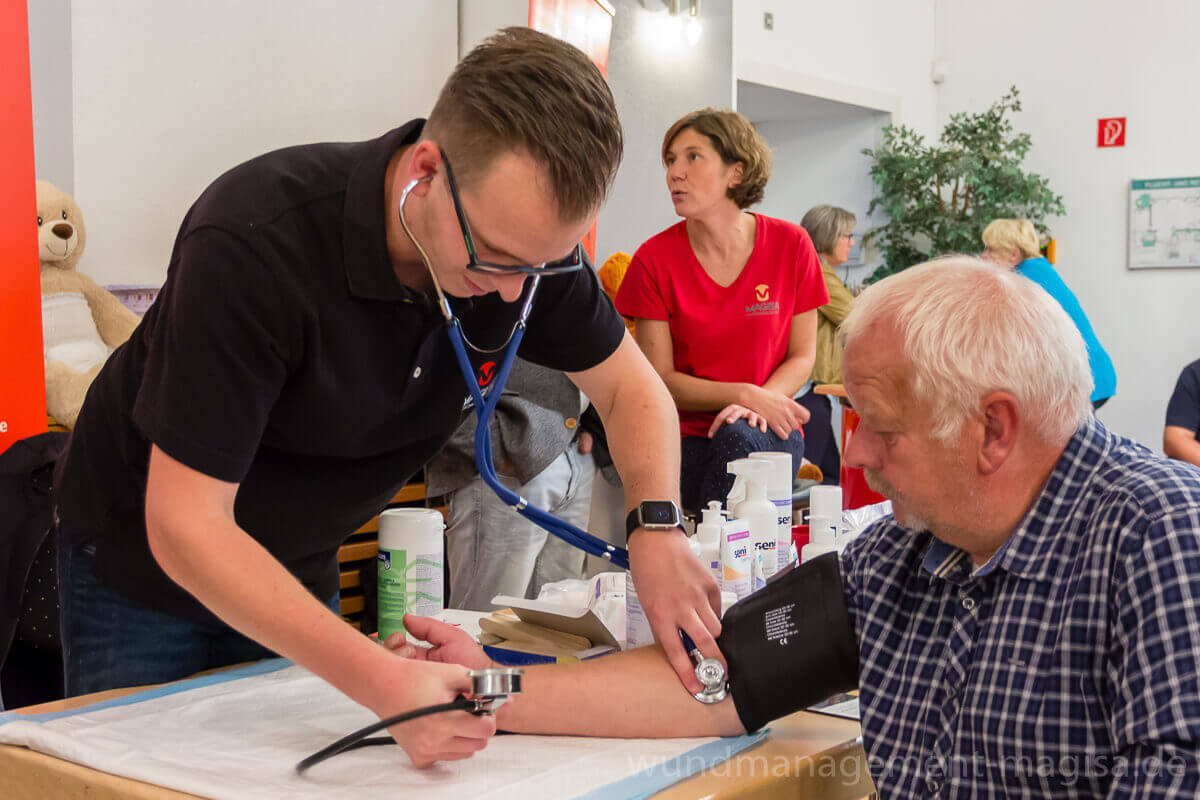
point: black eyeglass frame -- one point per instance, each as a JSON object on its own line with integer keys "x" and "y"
{"x": 576, "y": 261}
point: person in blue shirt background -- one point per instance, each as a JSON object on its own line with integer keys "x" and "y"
{"x": 1013, "y": 243}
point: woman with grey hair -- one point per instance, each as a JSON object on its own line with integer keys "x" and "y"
{"x": 832, "y": 232}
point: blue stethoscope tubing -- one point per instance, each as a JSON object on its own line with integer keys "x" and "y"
{"x": 484, "y": 407}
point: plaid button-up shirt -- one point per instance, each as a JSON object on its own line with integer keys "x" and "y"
{"x": 1067, "y": 666}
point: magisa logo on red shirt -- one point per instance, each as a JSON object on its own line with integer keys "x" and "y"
{"x": 763, "y": 306}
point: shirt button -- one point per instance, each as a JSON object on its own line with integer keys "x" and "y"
{"x": 570, "y": 423}
{"x": 968, "y": 604}
{"x": 417, "y": 372}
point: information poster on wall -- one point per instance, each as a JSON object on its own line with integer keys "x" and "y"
{"x": 22, "y": 384}
{"x": 1164, "y": 223}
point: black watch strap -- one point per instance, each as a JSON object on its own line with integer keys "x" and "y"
{"x": 660, "y": 515}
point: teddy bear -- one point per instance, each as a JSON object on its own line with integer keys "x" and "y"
{"x": 82, "y": 323}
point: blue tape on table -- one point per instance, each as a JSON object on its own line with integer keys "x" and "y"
{"x": 247, "y": 671}
{"x": 650, "y": 781}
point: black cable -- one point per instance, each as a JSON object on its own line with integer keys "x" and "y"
{"x": 359, "y": 737}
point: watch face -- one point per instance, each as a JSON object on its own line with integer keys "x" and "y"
{"x": 659, "y": 512}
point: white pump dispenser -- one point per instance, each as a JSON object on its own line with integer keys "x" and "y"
{"x": 824, "y": 521}
{"x": 708, "y": 536}
{"x": 757, "y": 510}
{"x": 779, "y": 492}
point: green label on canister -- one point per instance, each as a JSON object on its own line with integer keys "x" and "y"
{"x": 409, "y": 583}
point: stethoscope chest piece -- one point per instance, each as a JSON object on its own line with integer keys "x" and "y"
{"x": 490, "y": 688}
{"x": 712, "y": 674}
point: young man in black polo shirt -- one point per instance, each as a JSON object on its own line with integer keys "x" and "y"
{"x": 295, "y": 371}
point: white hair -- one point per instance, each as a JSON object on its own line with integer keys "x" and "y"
{"x": 970, "y": 328}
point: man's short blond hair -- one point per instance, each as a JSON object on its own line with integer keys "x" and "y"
{"x": 969, "y": 328}
{"x": 1005, "y": 234}
{"x": 525, "y": 91}
{"x": 735, "y": 140}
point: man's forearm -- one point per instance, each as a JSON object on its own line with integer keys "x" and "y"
{"x": 246, "y": 587}
{"x": 1180, "y": 443}
{"x": 643, "y": 435}
{"x": 628, "y": 695}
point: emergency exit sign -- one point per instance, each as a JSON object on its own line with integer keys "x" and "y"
{"x": 1111, "y": 132}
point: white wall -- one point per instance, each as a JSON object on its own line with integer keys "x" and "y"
{"x": 478, "y": 19}
{"x": 819, "y": 160}
{"x": 853, "y": 47}
{"x": 50, "y": 87}
{"x": 1114, "y": 59}
{"x": 167, "y": 96}
{"x": 657, "y": 77}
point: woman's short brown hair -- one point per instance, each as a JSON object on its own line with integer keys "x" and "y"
{"x": 735, "y": 140}
{"x": 827, "y": 224}
{"x": 521, "y": 90}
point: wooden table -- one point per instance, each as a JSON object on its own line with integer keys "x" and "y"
{"x": 805, "y": 755}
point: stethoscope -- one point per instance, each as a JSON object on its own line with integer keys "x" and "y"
{"x": 491, "y": 687}
{"x": 485, "y": 406}
{"x": 710, "y": 671}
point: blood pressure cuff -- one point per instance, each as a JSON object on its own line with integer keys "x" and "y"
{"x": 790, "y": 644}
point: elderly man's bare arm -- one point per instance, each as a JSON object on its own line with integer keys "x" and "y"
{"x": 634, "y": 694}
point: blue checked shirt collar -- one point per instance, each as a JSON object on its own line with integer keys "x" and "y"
{"x": 1027, "y": 553}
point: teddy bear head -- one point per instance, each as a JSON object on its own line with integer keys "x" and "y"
{"x": 61, "y": 232}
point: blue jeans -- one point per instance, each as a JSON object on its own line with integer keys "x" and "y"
{"x": 109, "y": 642}
{"x": 704, "y": 474}
{"x": 493, "y": 550}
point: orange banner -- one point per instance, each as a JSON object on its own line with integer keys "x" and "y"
{"x": 22, "y": 381}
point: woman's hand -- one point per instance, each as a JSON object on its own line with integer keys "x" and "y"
{"x": 763, "y": 409}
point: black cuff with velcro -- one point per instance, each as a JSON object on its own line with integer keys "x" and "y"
{"x": 791, "y": 644}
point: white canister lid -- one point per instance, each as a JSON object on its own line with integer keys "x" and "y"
{"x": 779, "y": 482}
{"x": 825, "y": 501}
{"x": 400, "y": 526}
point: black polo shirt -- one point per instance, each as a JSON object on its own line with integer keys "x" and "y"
{"x": 283, "y": 354}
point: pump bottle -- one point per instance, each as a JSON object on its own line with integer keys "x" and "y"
{"x": 758, "y": 511}
{"x": 824, "y": 521}
{"x": 708, "y": 536}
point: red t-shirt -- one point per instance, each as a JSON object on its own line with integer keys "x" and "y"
{"x": 734, "y": 334}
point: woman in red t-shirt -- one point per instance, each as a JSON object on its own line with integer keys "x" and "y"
{"x": 725, "y": 303}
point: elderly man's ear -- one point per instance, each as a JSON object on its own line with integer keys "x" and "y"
{"x": 1001, "y": 426}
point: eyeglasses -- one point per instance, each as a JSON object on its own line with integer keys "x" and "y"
{"x": 576, "y": 260}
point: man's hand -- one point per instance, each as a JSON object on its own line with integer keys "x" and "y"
{"x": 450, "y": 645}
{"x": 585, "y": 443}
{"x": 448, "y": 736}
{"x": 678, "y": 593}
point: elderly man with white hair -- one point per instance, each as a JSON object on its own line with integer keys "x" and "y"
{"x": 1027, "y": 624}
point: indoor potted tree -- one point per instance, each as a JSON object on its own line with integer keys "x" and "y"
{"x": 940, "y": 197}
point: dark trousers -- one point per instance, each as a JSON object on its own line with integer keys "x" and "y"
{"x": 110, "y": 642}
{"x": 819, "y": 440}
{"x": 704, "y": 474}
